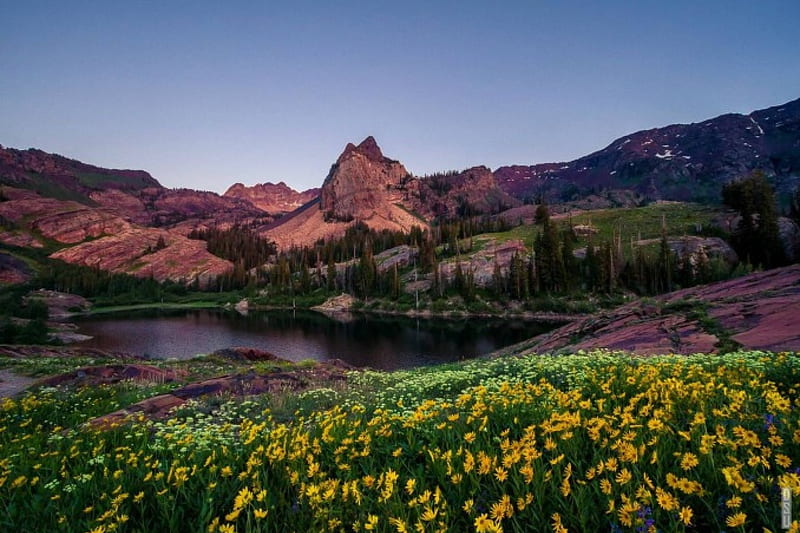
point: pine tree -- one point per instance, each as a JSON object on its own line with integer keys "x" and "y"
{"x": 542, "y": 214}
{"x": 794, "y": 206}
{"x": 395, "y": 283}
{"x": 331, "y": 273}
{"x": 665, "y": 263}
{"x": 757, "y": 236}
{"x": 498, "y": 281}
{"x": 571, "y": 270}
{"x": 591, "y": 268}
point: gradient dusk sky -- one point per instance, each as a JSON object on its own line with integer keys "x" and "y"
{"x": 204, "y": 94}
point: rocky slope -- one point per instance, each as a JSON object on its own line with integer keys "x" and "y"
{"x": 182, "y": 209}
{"x": 99, "y": 237}
{"x": 688, "y": 162}
{"x": 272, "y": 198}
{"x": 132, "y": 195}
{"x": 758, "y": 311}
{"x": 473, "y": 191}
{"x": 136, "y": 251}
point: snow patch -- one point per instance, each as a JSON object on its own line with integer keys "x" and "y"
{"x": 686, "y": 156}
{"x": 760, "y": 131}
{"x": 665, "y": 155}
{"x": 612, "y": 172}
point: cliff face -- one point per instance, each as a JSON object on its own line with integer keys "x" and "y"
{"x": 275, "y": 199}
{"x": 361, "y": 183}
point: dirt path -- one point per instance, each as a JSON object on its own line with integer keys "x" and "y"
{"x": 11, "y": 383}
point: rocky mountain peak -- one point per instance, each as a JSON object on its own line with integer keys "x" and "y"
{"x": 367, "y": 148}
{"x": 370, "y": 148}
{"x": 360, "y": 181}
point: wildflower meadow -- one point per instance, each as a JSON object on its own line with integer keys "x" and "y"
{"x": 586, "y": 442}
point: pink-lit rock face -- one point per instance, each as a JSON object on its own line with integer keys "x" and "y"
{"x": 136, "y": 251}
{"x": 272, "y": 198}
{"x": 361, "y": 182}
{"x": 759, "y": 311}
{"x": 362, "y": 186}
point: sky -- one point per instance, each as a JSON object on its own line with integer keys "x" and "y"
{"x": 205, "y": 94}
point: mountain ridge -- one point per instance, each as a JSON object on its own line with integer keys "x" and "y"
{"x": 684, "y": 162}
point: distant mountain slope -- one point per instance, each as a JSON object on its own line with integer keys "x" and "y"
{"x": 687, "y": 162}
{"x": 272, "y": 198}
{"x": 133, "y": 195}
{"x": 62, "y": 178}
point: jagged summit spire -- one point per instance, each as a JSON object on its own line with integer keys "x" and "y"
{"x": 368, "y": 148}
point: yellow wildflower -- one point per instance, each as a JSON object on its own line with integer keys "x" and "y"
{"x": 483, "y": 524}
{"x": 734, "y": 502}
{"x": 371, "y": 523}
{"x": 686, "y": 515}
{"x": 736, "y": 520}
{"x": 689, "y": 461}
{"x": 467, "y": 507}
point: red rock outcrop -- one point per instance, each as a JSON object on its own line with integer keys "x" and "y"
{"x": 243, "y": 384}
{"x": 136, "y": 251}
{"x": 63, "y": 221}
{"x": 114, "y": 373}
{"x": 123, "y": 204}
{"x": 276, "y": 199}
{"x": 759, "y": 311}
{"x": 361, "y": 183}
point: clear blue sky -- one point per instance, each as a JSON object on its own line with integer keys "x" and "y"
{"x": 203, "y": 94}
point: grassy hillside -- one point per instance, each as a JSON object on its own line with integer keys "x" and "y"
{"x": 589, "y": 442}
{"x": 635, "y": 222}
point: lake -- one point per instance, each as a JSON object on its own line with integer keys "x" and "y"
{"x": 382, "y": 342}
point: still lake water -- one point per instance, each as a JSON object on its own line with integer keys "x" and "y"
{"x": 376, "y": 341}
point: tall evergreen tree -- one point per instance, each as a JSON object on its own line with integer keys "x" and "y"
{"x": 794, "y": 206}
{"x": 665, "y": 264}
{"x": 756, "y": 237}
{"x": 591, "y": 268}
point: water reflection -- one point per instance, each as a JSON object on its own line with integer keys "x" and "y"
{"x": 379, "y": 342}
